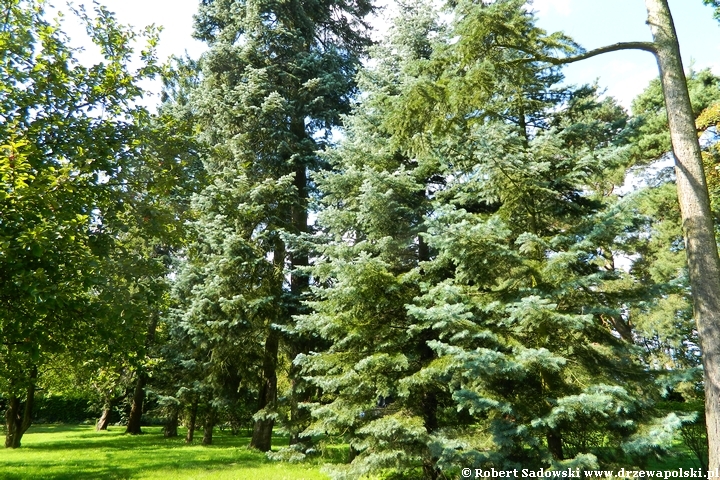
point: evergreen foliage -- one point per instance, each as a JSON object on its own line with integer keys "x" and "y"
{"x": 273, "y": 85}
{"x": 466, "y": 277}
{"x": 476, "y": 290}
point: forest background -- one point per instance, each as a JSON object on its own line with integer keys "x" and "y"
{"x": 473, "y": 287}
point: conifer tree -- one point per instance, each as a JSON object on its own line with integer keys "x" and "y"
{"x": 466, "y": 279}
{"x": 275, "y": 81}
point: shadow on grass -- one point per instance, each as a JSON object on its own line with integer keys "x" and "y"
{"x": 92, "y": 469}
{"x": 80, "y": 453}
{"x": 79, "y": 438}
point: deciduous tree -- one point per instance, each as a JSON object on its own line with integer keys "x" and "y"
{"x": 67, "y": 138}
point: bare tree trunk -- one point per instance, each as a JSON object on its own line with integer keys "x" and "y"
{"x": 171, "y": 425}
{"x": 208, "y": 426}
{"x": 262, "y": 431}
{"x": 702, "y": 254}
{"x": 555, "y": 445}
{"x": 12, "y": 416}
{"x": 429, "y": 402}
{"x": 191, "y": 423}
{"x": 299, "y": 284}
{"x": 104, "y": 420}
{"x": 18, "y": 421}
{"x": 138, "y": 400}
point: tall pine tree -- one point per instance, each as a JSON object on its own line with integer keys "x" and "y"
{"x": 275, "y": 81}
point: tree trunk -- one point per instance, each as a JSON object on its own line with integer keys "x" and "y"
{"x": 208, "y": 426}
{"x": 136, "y": 411}
{"x": 299, "y": 284}
{"x": 171, "y": 424}
{"x": 135, "y": 418}
{"x": 701, "y": 248}
{"x": 262, "y": 431}
{"x": 12, "y": 417}
{"x": 555, "y": 445}
{"x": 18, "y": 421}
{"x": 429, "y": 407}
{"x": 104, "y": 421}
{"x": 352, "y": 453}
{"x": 191, "y": 422}
{"x": 429, "y": 402}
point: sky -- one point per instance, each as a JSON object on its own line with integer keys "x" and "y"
{"x": 595, "y": 23}
{"x": 591, "y": 23}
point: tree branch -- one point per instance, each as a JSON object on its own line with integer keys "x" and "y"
{"x": 615, "y": 47}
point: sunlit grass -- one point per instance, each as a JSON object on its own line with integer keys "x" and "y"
{"x": 78, "y": 452}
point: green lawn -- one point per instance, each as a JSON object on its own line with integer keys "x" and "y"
{"x": 78, "y": 452}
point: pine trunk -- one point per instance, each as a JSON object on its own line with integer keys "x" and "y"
{"x": 429, "y": 402}
{"x": 208, "y": 426}
{"x": 191, "y": 422}
{"x": 555, "y": 445}
{"x": 299, "y": 284}
{"x": 702, "y": 254}
{"x": 171, "y": 424}
{"x": 429, "y": 407}
{"x": 352, "y": 453}
{"x": 262, "y": 431}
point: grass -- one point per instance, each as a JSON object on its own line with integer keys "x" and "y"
{"x": 79, "y": 453}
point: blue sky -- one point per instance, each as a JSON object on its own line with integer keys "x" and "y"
{"x": 592, "y": 23}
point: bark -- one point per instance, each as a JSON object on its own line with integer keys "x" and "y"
{"x": 191, "y": 422}
{"x": 12, "y": 418}
{"x": 352, "y": 453}
{"x": 171, "y": 425}
{"x": 429, "y": 407}
{"x": 299, "y": 283}
{"x": 138, "y": 401}
{"x": 262, "y": 431}
{"x": 555, "y": 445}
{"x": 135, "y": 418}
{"x": 701, "y": 248}
{"x": 615, "y": 47}
{"x": 208, "y": 426}
{"x": 104, "y": 420}
{"x": 429, "y": 402}
{"x": 298, "y": 393}
{"x": 622, "y": 326}
{"x": 18, "y": 416}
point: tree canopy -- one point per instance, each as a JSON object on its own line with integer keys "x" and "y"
{"x": 425, "y": 248}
